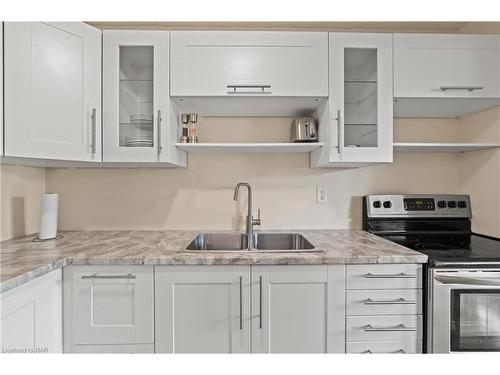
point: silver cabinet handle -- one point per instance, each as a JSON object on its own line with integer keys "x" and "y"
{"x": 399, "y": 327}
{"x": 399, "y": 301}
{"x": 401, "y": 275}
{"x": 339, "y": 131}
{"x": 158, "y": 124}
{"x": 96, "y": 276}
{"x": 466, "y": 88}
{"x": 252, "y": 89}
{"x": 260, "y": 302}
{"x": 369, "y": 351}
{"x": 93, "y": 116}
{"x": 241, "y": 302}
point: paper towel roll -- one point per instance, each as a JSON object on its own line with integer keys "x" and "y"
{"x": 48, "y": 220}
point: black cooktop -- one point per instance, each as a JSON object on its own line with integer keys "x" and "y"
{"x": 451, "y": 248}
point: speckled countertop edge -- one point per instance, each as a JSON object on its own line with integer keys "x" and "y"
{"x": 23, "y": 260}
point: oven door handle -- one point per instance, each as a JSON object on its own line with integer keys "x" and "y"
{"x": 484, "y": 281}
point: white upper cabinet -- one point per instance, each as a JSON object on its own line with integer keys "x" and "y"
{"x": 52, "y": 91}
{"x": 220, "y": 63}
{"x": 249, "y": 73}
{"x": 137, "y": 108}
{"x": 447, "y": 68}
{"x": 357, "y": 123}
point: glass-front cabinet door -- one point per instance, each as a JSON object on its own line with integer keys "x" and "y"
{"x": 475, "y": 320}
{"x": 361, "y": 98}
{"x": 136, "y": 95}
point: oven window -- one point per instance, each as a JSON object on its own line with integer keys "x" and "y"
{"x": 475, "y": 320}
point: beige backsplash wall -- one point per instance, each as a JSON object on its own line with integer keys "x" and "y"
{"x": 21, "y": 194}
{"x": 480, "y": 170}
{"x": 200, "y": 197}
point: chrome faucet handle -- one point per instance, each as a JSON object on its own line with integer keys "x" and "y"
{"x": 256, "y": 221}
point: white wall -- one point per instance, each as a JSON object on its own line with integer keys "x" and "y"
{"x": 480, "y": 170}
{"x": 21, "y": 194}
{"x": 200, "y": 197}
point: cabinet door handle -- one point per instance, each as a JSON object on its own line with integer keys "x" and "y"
{"x": 399, "y": 327}
{"x": 93, "y": 130}
{"x": 96, "y": 276}
{"x": 464, "y": 88}
{"x": 260, "y": 302}
{"x": 241, "y": 302}
{"x": 249, "y": 89}
{"x": 339, "y": 130}
{"x": 399, "y": 301}
{"x": 369, "y": 351}
{"x": 158, "y": 125}
{"x": 401, "y": 275}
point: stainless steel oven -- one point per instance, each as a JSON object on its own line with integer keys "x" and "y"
{"x": 464, "y": 310}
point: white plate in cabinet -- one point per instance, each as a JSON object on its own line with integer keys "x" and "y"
{"x": 384, "y": 276}
{"x": 384, "y": 302}
{"x": 384, "y": 328}
{"x": 444, "y": 66}
{"x": 384, "y": 347}
{"x": 249, "y": 63}
{"x": 108, "y": 305}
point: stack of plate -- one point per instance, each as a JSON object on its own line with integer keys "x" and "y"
{"x": 141, "y": 119}
{"x": 139, "y": 143}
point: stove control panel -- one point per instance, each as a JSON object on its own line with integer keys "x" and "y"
{"x": 414, "y": 205}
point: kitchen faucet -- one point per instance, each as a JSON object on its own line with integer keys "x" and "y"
{"x": 250, "y": 220}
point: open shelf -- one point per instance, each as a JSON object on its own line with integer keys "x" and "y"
{"x": 442, "y": 147}
{"x": 248, "y": 147}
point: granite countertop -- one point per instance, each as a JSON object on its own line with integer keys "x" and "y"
{"x": 22, "y": 260}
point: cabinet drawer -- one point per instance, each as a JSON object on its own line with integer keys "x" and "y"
{"x": 114, "y": 349}
{"x": 384, "y": 276}
{"x": 108, "y": 305}
{"x": 384, "y": 328}
{"x": 384, "y": 347}
{"x": 384, "y": 302}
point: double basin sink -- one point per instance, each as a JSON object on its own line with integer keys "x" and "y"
{"x": 262, "y": 242}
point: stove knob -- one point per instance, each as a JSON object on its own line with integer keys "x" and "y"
{"x": 377, "y": 204}
{"x": 442, "y": 204}
{"x": 452, "y": 204}
{"x": 462, "y": 204}
{"x": 387, "y": 204}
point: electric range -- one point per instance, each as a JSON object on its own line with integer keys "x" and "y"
{"x": 462, "y": 278}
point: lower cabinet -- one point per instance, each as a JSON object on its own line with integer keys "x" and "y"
{"x": 298, "y": 309}
{"x": 202, "y": 309}
{"x": 223, "y": 309}
{"x": 108, "y": 309}
{"x": 31, "y": 316}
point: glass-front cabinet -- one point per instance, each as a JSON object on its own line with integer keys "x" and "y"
{"x": 358, "y": 123}
{"x": 136, "y": 96}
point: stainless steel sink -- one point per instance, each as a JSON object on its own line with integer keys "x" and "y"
{"x": 281, "y": 242}
{"x": 219, "y": 242}
{"x": 262, "y": 242}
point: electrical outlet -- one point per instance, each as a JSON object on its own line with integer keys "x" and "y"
{"x": 321, "y": 195}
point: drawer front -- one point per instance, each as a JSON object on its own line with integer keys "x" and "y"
{"x": 384, "y": 328}
{"x": 115, "y": 349}
{"x": 384, "y": 276}
{"x": 384, "y": 302}
{"x": 384, "y": 347}
{"x": 109, "y": 304}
